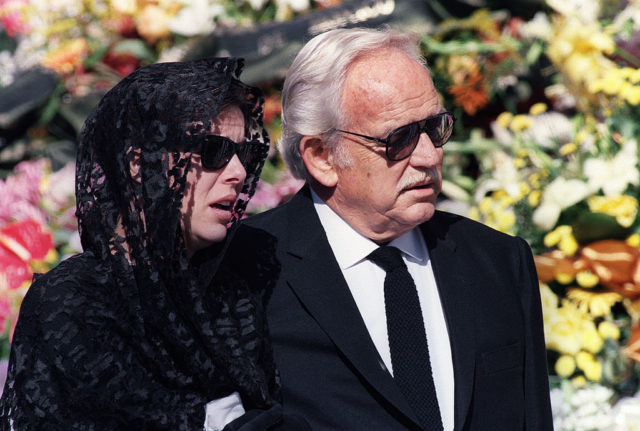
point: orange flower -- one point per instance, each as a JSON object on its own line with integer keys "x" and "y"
{"x": 68, "y": 57}
{"x": 471, "y": 94}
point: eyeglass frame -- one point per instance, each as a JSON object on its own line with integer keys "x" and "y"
{"x": 386, "y": 141}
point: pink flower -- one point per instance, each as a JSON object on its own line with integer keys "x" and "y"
{"x": 271, "y": 195}
{"x": 13, "y": 17}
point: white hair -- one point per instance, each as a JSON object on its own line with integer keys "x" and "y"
{"x": 311, "y": 97}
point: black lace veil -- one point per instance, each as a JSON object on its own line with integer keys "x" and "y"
{"x": 167, "y": 332}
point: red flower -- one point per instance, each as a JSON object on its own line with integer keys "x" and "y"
{"x": 123, "y": 63}
{"x": 22, "y": 244}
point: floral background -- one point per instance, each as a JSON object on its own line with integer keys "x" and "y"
{"x": 546, "y": 147}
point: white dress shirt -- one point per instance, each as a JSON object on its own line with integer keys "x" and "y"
{"x": 366, "y": 282}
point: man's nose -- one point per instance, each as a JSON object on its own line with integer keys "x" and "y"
{"x": 425, "y": 153}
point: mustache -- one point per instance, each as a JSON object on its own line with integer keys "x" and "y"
{"x": 429, "y": 175}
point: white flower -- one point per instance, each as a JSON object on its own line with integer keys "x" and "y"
{"x": 539, "y": 27}
{"x": 550, "y": 130}
{"x": 613, "y": 176}
{"x": 197, "y": 17}
{"x": 585, "y": 409}
{"x": 257, "y": 4}
{"x": 505, "y": 177}
{"x": 626, "y": 414}
{"x": 586, "y": 11}
{"x": 558, "y": 195}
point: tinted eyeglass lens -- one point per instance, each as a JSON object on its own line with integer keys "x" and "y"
{"x": 404, "y": 140}
{"x": 216, "y": 152}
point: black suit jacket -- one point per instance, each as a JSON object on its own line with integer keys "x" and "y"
{"x": 331, "y": 372}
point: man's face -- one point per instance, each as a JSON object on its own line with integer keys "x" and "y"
{"x": 379, "y": 198}
{"x": 210, "y": 195}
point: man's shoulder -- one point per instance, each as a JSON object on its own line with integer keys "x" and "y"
{"x": 456, "y": 225}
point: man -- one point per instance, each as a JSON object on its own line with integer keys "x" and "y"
{"x": 364, "y": 126}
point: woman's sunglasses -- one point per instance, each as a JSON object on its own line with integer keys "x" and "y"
{"x": 401, "y": 142}
{"x": 217, "y": 152}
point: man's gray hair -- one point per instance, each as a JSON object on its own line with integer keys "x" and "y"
{"x": 311, "y": 98}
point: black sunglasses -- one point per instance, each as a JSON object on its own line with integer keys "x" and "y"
{"x": 401, "y": 142}
{"x": 217, "y": 151}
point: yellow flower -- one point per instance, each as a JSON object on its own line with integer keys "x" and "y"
{"x": 68, "y": 57}
{"x": 153, "y": 23}
{"x": 562, "y": 236}
{"x": 504, "y": 119}
{"x": 563, "y": 278}
{"x": 593, "y": 371}
{"x": 568, "y": 148}
{"x": 634, "y": 77}
{"x": 632, "y": 95}
{"x": 583, "y": 359}
{"x": 598, "y": 304}
{"x": 568, "y": 245}
{"x": 520, "y": 123}
{"x": 519, "y": 163}
{"x": 578, "y": 382}
{"x": 485, "y": 205}
{"x": 565, "y": 366}
{"x": 506, "y": 220}
{"x": 587, "y": 279}
{"x": 609, "y": 330}
{"x": 623, "y": 207}
{"x": 474, "y": 214}
{"x": 634, "y": 240}
{"x": 538, "y": 108}
{"x": 534, "y": 198}
{"x": 592, "y": 341}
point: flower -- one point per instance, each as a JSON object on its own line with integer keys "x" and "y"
{"x": 613, "y": 176}
{"x": 565, "y": 366}
{"x": 558, "y": 195}
{"x": 196, "y": 18}
{"x": 598, "y": 304}
{"x": 623, "y": 207}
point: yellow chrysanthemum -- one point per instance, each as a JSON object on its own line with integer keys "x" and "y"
{"x": 634, "y": 240}
{"x": 597, "y": 304}
{"x": 593, "y": 371}
{"x": 538, "y": 108}
{"x": 623, "y": 207}
{"x": 587, "y": 279}
{"x": 632, "y": 96}
{"x": 609, "y": 330}
{"x": 534, "y": 198}
{"x": 592, "y": 341}
{"x": 565, "y": 366}
{"x": 568, "y": 148}
{"x": 504, "y": 119}
{"x": 578, "y": 382}
{"x": 520, "y": 123}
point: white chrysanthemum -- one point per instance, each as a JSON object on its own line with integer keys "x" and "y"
{"x": 558, "y": 195}
{"x": 613, "y": 176}
{"x": 197, "y": 17}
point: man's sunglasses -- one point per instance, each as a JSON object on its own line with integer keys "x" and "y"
{"x": 401, "y": 142}
{"x": 217, "y": 151}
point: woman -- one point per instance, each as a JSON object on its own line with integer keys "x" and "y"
{"x": 134, "y": 333}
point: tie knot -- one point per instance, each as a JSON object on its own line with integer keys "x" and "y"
{"x": 387, "y": 258}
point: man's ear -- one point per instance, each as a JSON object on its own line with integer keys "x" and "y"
{"x": 134, "y": 166}
{"x": 318, "y": 160}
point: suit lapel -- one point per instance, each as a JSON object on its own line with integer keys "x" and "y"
{"x": 453, "y": 287}
{"x": 315, "y": 277}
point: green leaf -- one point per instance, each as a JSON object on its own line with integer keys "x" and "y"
{"x": 136, "y": 47}
{"x": 589, "y": 227}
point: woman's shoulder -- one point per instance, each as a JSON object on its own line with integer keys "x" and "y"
{"x": 71, "y": 288}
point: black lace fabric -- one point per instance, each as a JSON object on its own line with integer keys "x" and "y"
{"x": 132, "y": 334}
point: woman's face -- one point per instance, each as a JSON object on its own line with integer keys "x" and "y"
{"x": 210, "y": 195}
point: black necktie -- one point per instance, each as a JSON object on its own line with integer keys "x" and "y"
{"x": 407, "y": 338}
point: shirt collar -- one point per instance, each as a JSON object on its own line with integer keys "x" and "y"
{"x": 339, "y": 233}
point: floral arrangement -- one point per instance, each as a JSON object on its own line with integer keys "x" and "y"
{"x": 37, "y": 229}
